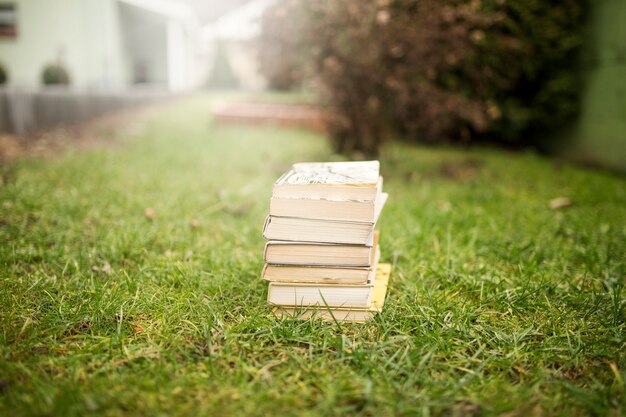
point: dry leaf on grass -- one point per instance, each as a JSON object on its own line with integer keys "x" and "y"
{"x": 559, "y": 203}
{"x": 106, "y": 268}
{"x": 149, "y": 213}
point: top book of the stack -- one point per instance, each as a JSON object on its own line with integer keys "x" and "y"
{"x": 357, "y": 181}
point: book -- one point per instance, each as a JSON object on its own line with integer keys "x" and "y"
{"x": 357, "y": 315}
{"x": 322, "y": 274}
{"x": 326, "y": 209}
{"x": 331, "y": 295}
{"x": 319, "y": 254}
{"x": 322, "y": 253}
{"x": 322, "y": 231}
{"x": 325, "y": 231}
{"x": 314, "y": 253}
{"x": 330, "y": 180}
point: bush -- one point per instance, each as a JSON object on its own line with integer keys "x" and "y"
{"x": 55, "y": 74}
{"x": 439, "y": 70}
{"x": 541, "y": 79}
{"x": 4, "y": 76}
{"x": 279, "y": 59}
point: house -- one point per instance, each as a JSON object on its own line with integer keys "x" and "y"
{"x": 105, "y": 45}
{"x": 232, "y": 37}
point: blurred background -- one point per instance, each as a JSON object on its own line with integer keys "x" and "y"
{"x": 550, "y": 76}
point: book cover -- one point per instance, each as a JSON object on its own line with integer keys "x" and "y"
{"x": 358, "y": 174}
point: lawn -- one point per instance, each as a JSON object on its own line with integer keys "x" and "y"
{"x": 130, "y": 283}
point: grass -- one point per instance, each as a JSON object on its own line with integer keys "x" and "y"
{"x": 497, "y": 304}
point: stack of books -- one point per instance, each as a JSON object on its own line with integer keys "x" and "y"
{"x": 322, "y": 255}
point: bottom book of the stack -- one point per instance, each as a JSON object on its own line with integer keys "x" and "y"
{"x": 355, "y": 312}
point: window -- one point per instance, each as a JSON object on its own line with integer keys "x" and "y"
{"x": 8, "y": 20}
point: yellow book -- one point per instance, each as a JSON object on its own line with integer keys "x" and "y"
{"x": 357, "y": 315}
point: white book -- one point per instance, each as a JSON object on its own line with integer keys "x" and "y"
{"x": 325, "y": 231}
{"x": 331, "y": 295}
{"x": 321, "y": 274}
{"x": 321, "y": 254}
{"x": 330, "y": 180}
{"x": 351, "y": 314}
{"x": 326, "y": 209}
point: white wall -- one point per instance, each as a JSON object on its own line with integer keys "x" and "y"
{"x": 100, "y": 43}
{"x": 144, "y": 44}
{"x": 82, "y": 33}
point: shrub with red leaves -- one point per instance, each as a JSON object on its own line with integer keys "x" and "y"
{"x": 434, "y": 70}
